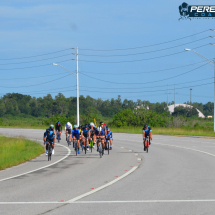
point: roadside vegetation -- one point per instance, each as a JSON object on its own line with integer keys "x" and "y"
{"x": 14, "y": 151}
{"x": 24, "y": 111}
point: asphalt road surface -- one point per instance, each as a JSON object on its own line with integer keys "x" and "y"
{"x": 176, "y": 177}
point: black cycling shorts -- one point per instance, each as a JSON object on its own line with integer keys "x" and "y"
{"x": 69, "y": 131}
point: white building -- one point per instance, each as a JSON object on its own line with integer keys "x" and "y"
{"x": 171, "y": 109}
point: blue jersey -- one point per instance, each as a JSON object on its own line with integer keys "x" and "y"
{"x": 147, "y": 131}
{"x": 102, "y": 132}
{"x": 75, "y": 132}
{"x": 85, "y": 132}
{"x": 110, "y": 134}
{"x": 49, "y": 136}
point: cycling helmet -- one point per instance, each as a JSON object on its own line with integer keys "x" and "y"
{"x": 51, "y": 126}
{"x": 99, "y": 128}
{"x": 83, "y": 127}
{"x": 47, "y": 130}
{"x": 92, "y": 124}
{"x": 108, "y": 129}
{"x": 75, "y": 126}
{"x": 58, "y": 121}
{"x": 146, "y": 125}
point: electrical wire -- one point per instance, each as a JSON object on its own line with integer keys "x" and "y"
{"x": 37, "y": 55}
{"x": 143, "y": 52}
{"x": 30, "y": 67}
{"x": 148, "y": 82}
{"x": 129, "y": 61}
{"x": 37, "y": 60}
{"x": 37, "y": 84}
{"x": 150, "y": 91}
{"x": 147, "y": 45}
{"x": 109, "y": 73}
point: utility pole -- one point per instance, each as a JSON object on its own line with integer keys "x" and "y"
{"x": 77, "y": 87}
{"x": 190, "y": 96}
{"x": 214, "y": 94}
{"x": 167, "y": 95}
{"x": 174, "y": 97}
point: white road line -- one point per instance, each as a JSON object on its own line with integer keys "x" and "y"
{"x": 188, "y": 149}
{"x": 102, "y": 187}
{"x": 15, "y": 176}
{"x": 104, "y": 202}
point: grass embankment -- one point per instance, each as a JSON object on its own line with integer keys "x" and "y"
{"x": 168, "y": 131}
{"x": 14, "y": 151}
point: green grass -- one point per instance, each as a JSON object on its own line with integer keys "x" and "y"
{"x": 168, "y": 131}
{"x": 14, "y": 151}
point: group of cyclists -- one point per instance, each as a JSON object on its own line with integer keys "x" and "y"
{"x": 83, "y": 134}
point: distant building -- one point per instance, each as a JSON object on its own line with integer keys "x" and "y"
{"x": 171, "y": 109}
{"x": 209, "y": 116}
{"x": 141, "y": 106}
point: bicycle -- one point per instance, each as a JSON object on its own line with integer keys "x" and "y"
{"x": 147, "y": 143}
{"x": 91, "y": 144}
{"x": 67, "y": 139}
{"x": 49, "y": 150}
{"x": 84, "y": 146}
{"x": 100, "y": 147}
{"x": 108, "y": 145}
{"x": 58, "y": 136}
{"x": 76, "y": 146}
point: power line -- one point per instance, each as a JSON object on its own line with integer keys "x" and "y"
{"x": 34, "y": 76}
{"x": 129, "y": 61}
{"x": 147, "y": 82}
{"x": 37, "y": 60}
{"x": 147, "y": 45}
{"x": 37, "y": 55}
{"x": 48, "y": 64}
{"x": 142, "y": 52}
{"x": 150, "y": 91}
{"x": 38, "y": 84}
{"x": 108, "y": 73}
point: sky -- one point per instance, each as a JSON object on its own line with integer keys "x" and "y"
{"x": 130, "y": 48}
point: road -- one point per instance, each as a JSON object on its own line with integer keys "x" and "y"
{"x": 176, "y": 177}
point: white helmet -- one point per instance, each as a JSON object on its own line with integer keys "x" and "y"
{"x": 92, "y": 124}
{"x": 99, "y": 128}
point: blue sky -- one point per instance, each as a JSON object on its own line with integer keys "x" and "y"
{"x": 141, "y": 69}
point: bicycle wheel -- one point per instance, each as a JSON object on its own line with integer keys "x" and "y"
{"x": 91, "y": 145}
{"x": 76, "y": 147}
{"x": 58, "y": 137}
{"x": 108, "y": 145}
{"x": 147, "y": 146}
{"x": 100, "y": 149}
{"x": 49, "y": 152}
{"x": 85, "y": 146}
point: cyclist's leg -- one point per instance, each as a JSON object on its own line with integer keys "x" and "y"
{"x": 111, "y": 142}
{"x": 103, "y": 142}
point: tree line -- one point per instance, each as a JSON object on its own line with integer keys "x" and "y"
{"x": 15, "y": 104}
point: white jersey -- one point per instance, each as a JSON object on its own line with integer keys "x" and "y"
{"x": 68, "y": 125}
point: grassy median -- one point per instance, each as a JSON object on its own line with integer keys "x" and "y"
{"x": 168, "y": 131}
{"x": 14, "y": 151}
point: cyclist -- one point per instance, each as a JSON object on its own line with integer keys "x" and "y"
{"x": 91, "y": 133}
{"x": 84, "y": 134}
{"x": 49, "y": 139}
{"x": 52, "y": 129}
{"x": 146, "y": 132}
{"x": 76, "y": 134}
{"x": 58, "y": 128}
{"x": 68, "y": 128}
{"x": 100, "y": 134}
{"x": 103, "y": 126}
{"x": 109, "y": 136}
